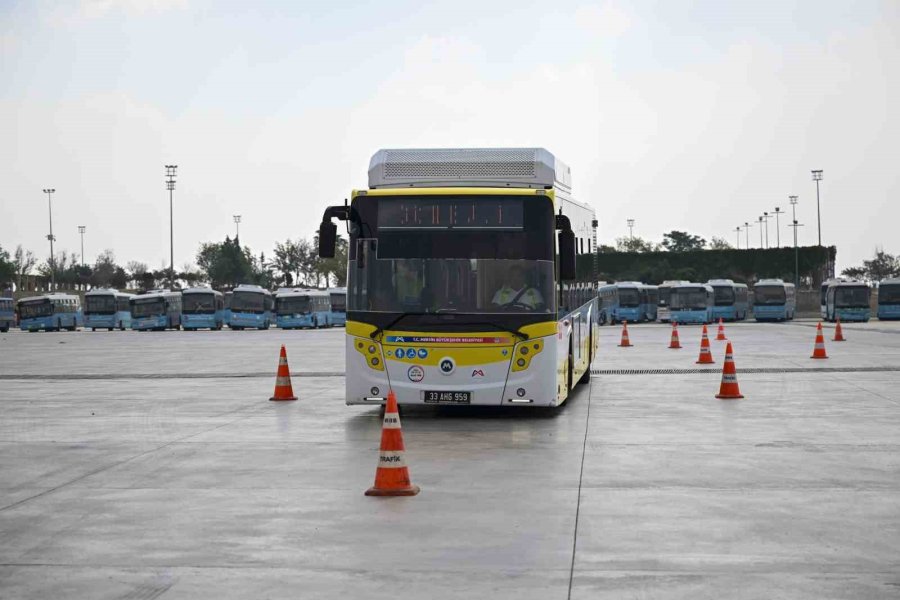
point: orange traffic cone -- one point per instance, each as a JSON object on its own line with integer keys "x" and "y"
{"x": 705, "y": 355}
{"x": 838, "y": 332}
{"x": 720, "y": 336}
{"x": 819, "y": 350}
{"x": 675, "y": 344}
{"x": 283, "y": 388}
{"x": 625, "y": 343}
{"x": 729, "y": 389}
{"x": 392, "y": 474}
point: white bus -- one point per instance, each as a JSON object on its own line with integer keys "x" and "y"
{"x": 461, "y": 279}
{"x": 664, "y": 291}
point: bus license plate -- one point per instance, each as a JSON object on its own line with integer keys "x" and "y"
{"x": 436, "y": 397}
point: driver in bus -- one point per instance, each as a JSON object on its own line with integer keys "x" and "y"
{"x": 515, "y": 291}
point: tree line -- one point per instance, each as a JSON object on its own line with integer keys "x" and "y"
{"x": 674, "y": 241}
{"x": 222, "y": 265}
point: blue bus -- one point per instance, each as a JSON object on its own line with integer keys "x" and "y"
{"x": 649, "y": 300}
{"x": 848, "y": 301}
{"x": 730, "y": 300}
{"x": 338, "y": 314}
{"x": 202, "y": 308}
{"x": 52, "y": 312}
{"x": 691, "y": 303}
{"x": 7, "y": 314}
{"x": 607, "y": 299}
{"x": 251, "y": 306}
{"x": 664, "y": 291}
{"x": 625, "y": 303}
{"x": 107, "y": 309}
{"x": 296, "y": 308}
{"x": 157, "y": 310}
{"x": 823, "y": 294}
{"x": 889, "y": 300}
{"x": 774, "y": 300}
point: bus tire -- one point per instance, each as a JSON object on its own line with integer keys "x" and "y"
{"x": 93, "y": 329}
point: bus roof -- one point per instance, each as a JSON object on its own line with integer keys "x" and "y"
{"x": 249, "y": 287}
{"x": 51, "y": 296}
{"x": 845, "y": 283}
{"x": 155, "y": 294}
{"x": 338, "y": 290}
{"x": 690, "y": 284}
{"x": 293, "y": 293}
{"x": 106, "y": 292}
{"x": 468, "y": 167}
{"x": 892, "y": 281}
{"x": 772, "y": 282}
{"x": 720, "y": 282}
{"x": 201, "y": 290}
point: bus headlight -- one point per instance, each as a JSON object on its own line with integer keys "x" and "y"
{"x": 526, "y": 351}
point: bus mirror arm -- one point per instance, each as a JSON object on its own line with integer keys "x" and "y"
{"x": 328, "y": 230}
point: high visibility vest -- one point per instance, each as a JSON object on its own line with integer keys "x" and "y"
{"x": 505, "y": 295}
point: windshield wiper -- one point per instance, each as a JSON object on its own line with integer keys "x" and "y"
{"x": 379, "y": 330}
{"x": 523, "y": 336}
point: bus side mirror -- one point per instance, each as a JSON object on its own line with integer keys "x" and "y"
{"x": 566, "y": 255}
{"x": 327, "y": 239}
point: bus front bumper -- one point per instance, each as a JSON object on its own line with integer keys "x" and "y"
{"x": 426, "y": 374}
{"x": 247, "y": 320}
{"x": 144, "y": 323}
{"x": 198, "y": 321}
{"x": 100, "y": 321}
{"x": 296, "y": 321}
{"x": 889, "y": 312}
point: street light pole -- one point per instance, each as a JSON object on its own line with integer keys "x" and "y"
{"x": 738, "y": 230}
{"x": 747, "y": 233}
{"x": 170, "y": 185}
{"x": 817, "y": 177}
{"x": 760, "y": 232}
{"x": 49, "y": 192}
{"x": 778, "y": 212}
{"x": 795, "y": 225}
{"x": 237, "y": 226}
{"x": 766, "y": 217}
{"x": 81, "y": 229}
{"x": 631, "y": 229}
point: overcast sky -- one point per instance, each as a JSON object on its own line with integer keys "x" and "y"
{"x": 694, "y": 115}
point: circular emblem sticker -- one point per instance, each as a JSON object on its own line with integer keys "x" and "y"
{"x": 416, "y": 373}
{"x": 447, "y": 366}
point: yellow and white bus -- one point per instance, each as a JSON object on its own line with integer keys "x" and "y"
{"x": 462, "y": 283}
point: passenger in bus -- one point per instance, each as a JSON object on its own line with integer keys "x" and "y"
{"x": 515, "y": 291}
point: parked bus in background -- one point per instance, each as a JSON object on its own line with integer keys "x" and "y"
{"x": 823, "y": 295}
{"x": 338, "y": 314}
{"x": 889, "y": 300}
{"x": 107, "y": 309}
{"x": 691, "y": 303}
{"x": 649, "y": 301}
{"x": 730, "y": 300}
{"x": 628, "y": 306}
{"x": 7, "y": 314}
{"x": 848, "y": 301}
{"x": 462, "y": 279}
{"x": 607, "y": 299}
{"x": 202, "y": 308}
{"x": 252, "y": 307}
{"x": 774, "y": 300}
{"x": 157, "y": 310}
{"x": 51, "y": 312}
{"x": 664, "y": 290}
{"x": 299, "y": 308}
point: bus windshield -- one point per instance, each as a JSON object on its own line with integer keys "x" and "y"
{"x": 6, "y": 305}
{"x": 99, "y": 305}
{"x": 664, "y": 294}
{"x": 724, "y": 296}
{"x": 198, "y": 304}
{"x": 148, "y": 308}
{"x": 38, "y": 308}
{"x": 851, "y": 297}
{"x": 629, "y": 298}
{"x": 292, "y": 305}
{"x": 889, "y": 294}
{"x": 248, "y": 302}
{"x": 477, "y": 285}
{"x": 688, "y": 299}
{"x": 338, "y": 302}
{"x": 773, "y": 295}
